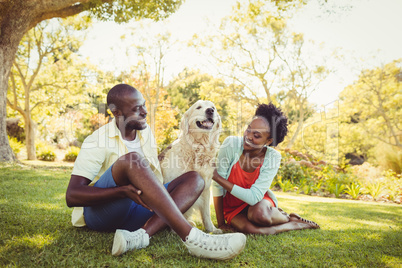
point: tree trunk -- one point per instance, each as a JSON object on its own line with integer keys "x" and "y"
{"x": 30, "y": 139}
{"x": 12, "y": 30}
{"x": 6, "y": 154}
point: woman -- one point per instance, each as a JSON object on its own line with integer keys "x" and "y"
{"x": 245, "y": 169}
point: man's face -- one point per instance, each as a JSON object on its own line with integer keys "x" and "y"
{"x": 133, "y": 111}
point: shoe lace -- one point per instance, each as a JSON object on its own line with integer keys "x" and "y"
{"x": 135, "y": 240}
{"x": 211, "y": 242}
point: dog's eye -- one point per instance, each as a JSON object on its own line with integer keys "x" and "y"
{"x": 199, "y": 107}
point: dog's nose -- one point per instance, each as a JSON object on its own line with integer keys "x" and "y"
{"x": 209, "y": 111}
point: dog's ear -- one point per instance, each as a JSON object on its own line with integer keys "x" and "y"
{"x": 184, "y": 125}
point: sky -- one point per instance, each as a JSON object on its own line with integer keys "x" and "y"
{"x": 366, "y": 32}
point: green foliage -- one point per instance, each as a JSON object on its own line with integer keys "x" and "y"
{"x": 15, "y": 145}
{"x": 390, "y": 157}
{"x": 292, "y": 172}
{"x": 337, "y": 189}
{"x": 44, "y": 151}
{"x": 374, "y": 189}
{"x": 393, "y": 184}
{"x": 123, "y": 10}
{"x": 326, "y": 180}
{"x": 370, "y": 107}
{"x": 48, "y": 75}
{"x": 286, "y": 185}
{"x": 71, "y": 154}
{"x": 353, "y": 190}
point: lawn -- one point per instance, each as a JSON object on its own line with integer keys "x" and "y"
{"x": 36, "y": 231}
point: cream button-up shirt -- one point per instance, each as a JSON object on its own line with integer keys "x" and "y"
{"x": 101, "y": 149}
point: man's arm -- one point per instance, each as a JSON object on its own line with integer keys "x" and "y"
{"x": 80, "y": 194}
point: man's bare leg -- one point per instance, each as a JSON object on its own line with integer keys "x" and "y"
{"x": 135, "y": 170}
{"x": 184, "y": 191}
{"x": 137, "y": 173}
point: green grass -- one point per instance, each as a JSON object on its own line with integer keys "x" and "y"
{"x": 36, "y": 231}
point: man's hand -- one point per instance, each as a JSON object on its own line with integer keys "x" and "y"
{"x": 134, "y": 194}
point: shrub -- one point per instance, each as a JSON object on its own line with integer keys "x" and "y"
{"x": 390, "y": 157}
{"x": 71, "y": 154}
{"x": 337, "y": 189}
{"x": 45, "y": 152}
{"x": 374, "y": 189}
{"x": 286, "y": 185}
{"x": 353, "y": 190}
{"x": 15, "y": 145}
{"x": 291, "y": 172}
{"x": 393, "y": 185}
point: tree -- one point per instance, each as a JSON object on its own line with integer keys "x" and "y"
{"x": 299, "y": 78}
{"x": 147, "y": 61}
{"x": 374, "y": 103}
{"x": 245, "y": 43}
{"x": 192, "y": 85}
{"x": 258, "y": 51}
{"x": 367, "y": 120}
{"x": 50, "y": 82}
{"x": 18, "y": 17}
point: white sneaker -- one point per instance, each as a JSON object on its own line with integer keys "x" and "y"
{"x": 219, "y": 247}
{"x": 125, "y": 240}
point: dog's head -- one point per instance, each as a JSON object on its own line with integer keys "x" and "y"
{"x": 201, "y": 118}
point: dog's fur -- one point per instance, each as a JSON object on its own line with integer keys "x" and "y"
{"x": 195, "y": 150}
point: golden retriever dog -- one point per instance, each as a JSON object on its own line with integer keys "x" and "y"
{"x": 195, "y": 150}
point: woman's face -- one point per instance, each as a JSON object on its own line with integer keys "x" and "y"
{"x": 257, "y": 134}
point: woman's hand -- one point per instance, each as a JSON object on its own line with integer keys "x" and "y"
{"x": 134, "y": 194}
{"x": 226, "y": 227}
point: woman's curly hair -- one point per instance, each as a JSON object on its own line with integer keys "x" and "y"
{"x": 278, "y": 122}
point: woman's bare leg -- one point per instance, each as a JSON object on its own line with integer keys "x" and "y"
{"x": 265, "y": 219}
{"x": 241, "y": 223}
{"x": 264, "y": 214}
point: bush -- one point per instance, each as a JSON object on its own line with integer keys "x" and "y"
{"x": 15, "y": 145}
{"x": 353, "y": 190}
{"x": 71, "y": 154}
{"x": 390, "y": 157}
{"x": 45, "y": 152}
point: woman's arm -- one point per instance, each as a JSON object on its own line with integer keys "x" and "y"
{"x": 227, "y": 185}
{"x": 218, "y": 203}
{"x": 257, "y": 191}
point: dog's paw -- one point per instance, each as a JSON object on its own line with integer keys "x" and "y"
{"x": 215, "y": 231}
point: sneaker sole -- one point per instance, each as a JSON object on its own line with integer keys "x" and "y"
{"x": 118, "y": 244}
{"x": 227, "y": 257}
{"x": 238, "y": 252}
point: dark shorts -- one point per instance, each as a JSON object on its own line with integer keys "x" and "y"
{"x": 120, "y": 214}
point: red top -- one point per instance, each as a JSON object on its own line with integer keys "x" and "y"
{"x": 232, "y": 205}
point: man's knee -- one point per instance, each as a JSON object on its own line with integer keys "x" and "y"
{"x": 196, "y": 180}
{"x": 133, "y": 160}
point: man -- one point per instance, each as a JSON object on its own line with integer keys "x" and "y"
{"x": 117, "y": 179}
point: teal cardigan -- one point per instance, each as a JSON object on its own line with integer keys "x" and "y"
{"x": 228, "y": 156}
